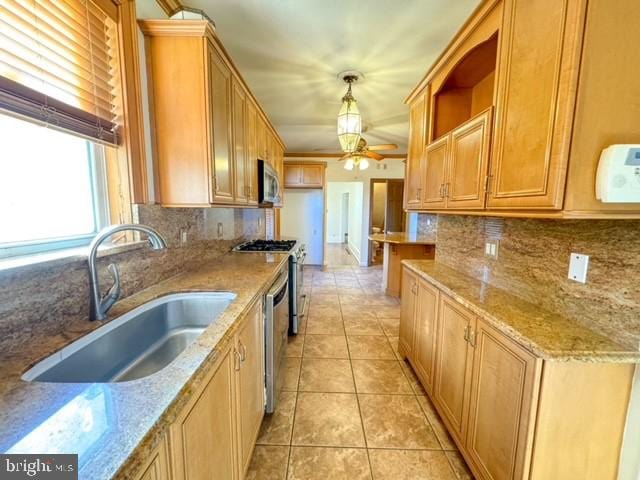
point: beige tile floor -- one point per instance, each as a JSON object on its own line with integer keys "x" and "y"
{"x": 350, "y": 408}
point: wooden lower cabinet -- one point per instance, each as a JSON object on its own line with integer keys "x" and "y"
{"x": 426, "y": 321}
{"x": 513, "y": 415}
{"x": 407, "y": 313}
{"x": 157, "y": 465}
{"x": 250, "y": 384}
{"x": 454, "y": 359}
{"x": 504, "y": 382}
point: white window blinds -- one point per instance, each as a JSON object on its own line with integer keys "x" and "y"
{"x": 59, "y": 66}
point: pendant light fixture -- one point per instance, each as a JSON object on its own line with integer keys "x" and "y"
{"x": 349, "y": 119}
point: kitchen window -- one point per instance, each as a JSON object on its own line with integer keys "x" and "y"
{"x": 53, "y": 191}
{"x": 71, "y": 149}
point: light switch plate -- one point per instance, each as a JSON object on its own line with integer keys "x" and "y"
{"x": 578, "y": 266}
{"x": 491, "y": 249}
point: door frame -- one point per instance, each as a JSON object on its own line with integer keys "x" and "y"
{"x": 386, "y": 181}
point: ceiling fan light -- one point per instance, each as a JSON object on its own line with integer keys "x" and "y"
{"x": 363, "y": 164}
{"x": 349, "y": 164}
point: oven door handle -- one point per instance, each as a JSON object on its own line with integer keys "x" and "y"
{"x": 281, "y": 282}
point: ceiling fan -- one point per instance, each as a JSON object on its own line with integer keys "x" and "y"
{"x": 359, "y": 157}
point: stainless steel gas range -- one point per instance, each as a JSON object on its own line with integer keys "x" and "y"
{"x": 284, "y": 304}
{"x": 297, "y": 256}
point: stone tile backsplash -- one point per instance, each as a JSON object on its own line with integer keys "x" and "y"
{"x": 533, "y": 262}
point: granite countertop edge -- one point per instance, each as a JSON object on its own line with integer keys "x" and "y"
{"x": 403, "y": 238}
{"x": 614, "y": 353}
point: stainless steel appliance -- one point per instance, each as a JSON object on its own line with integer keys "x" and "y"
{"x": 297, "y": 255}
{"x": 276, "y": 325}
{"x": 268, "y": 185}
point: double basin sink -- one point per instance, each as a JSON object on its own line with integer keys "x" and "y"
{"x": 137, "y": 344}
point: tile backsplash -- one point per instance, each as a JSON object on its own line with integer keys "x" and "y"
{"x": 45, "y": 305}
{"x": 533, "y": 262}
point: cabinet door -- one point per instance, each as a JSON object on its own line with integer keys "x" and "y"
{"x": 252, "y": 154}
{"x": 504, "y": 378}
{"x": 203, "y": 437}
{"x": 468, "y": 163}
{"x": 250, "y": 345}
{"x": 424, "y": 347}
{"x": 157, "y": 467}
{"x": 292, "y": 175}
{"x": 239, "y": 144}
{"x": 414, "y": 176}
{"x": 220, "y": 94}
{"x": 454, "y": 359}
{"x": 535, "y": 101}
{"x": 312, "y": 176}
{"x": 435, "y": 169}
{"x": 407, "y": 313}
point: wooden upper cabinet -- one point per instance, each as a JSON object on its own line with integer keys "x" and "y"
{"x": 535, "y": 102}
{"x": 252, "y": 153}
{"x": 250, "y": 378}
{"x": 240, "y": 172}
{"x": 468, "y": 163}
{"x": 504, "y": 379}
{"x": 203, "y": 436}
{"x": 424, "y": 347}
{"x": 454, "y": 359}
{"x": 414, "y": 172}
{"x": 207, "y": 128}
{"x": 435, "y": 161}
{"x": 220, "y": 94}
{"x": 303, "y": 175}
{"x": 407, "y": 313}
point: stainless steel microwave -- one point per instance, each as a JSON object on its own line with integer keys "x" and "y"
{"x": 268, "y": 185}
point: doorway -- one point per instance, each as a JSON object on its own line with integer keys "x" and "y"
{"x": 386, "y": 212}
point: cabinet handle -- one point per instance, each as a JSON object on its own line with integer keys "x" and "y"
{"x": 243, "y": 352}
{"x": 466, "y": 333}
{"x": 446, "y": 189}
{"x": 236, "y": 360}
{"x": 472, "y": 338}
{"x": 418, "y": 193}
{"x": 442, "y": 190}
{"x": 215, "y": 183}
{"x": 414, "y": 288}
{"x": 487, "y": 183}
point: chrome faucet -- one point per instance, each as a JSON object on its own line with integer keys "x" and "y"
{"x": 102, "y": 304}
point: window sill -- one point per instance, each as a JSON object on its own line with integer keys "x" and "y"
{"x": 62, "y": 257}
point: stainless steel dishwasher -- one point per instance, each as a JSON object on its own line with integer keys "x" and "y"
{"x": 275, "y": 333}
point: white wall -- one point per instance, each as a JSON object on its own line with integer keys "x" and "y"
{"x": 302, "y": 218}
{"x": 393, "y": 168}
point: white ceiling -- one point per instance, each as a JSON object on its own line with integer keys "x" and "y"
{"x": 290, "y": 51}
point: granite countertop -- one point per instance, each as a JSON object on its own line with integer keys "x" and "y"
{"x": 402, "y": 238}
{"x": 114, "y": 426}
{"x": 546, "y": 334}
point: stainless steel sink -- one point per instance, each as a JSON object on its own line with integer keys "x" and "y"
{"x": 137, "y": 344}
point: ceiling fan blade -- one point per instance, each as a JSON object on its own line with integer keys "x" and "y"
{"x": 374, "y": 155}
{"x": 344, "y": 157}
{"x": 383, "y": 146}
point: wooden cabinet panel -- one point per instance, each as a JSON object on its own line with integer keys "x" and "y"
{"x": 157, "y": 466}
{"x": 250, "y": 345}
{"x": 292, "y": 175}
{"x": 468, "y": 163}
{"x": 424, "y": 348}
{"x": 407, "y": 313}
{"x": 240, "y": 171}
{"x": 203, "y": 437}
{"x": 502, "y": 401}
{"x": 312, "y": 176}
{"x": 220, "y": 93}
{"x": 454, "y": 359}
{"x": 414, "y": 173}
{"x": 303, "y": 175}
{"x": 252, "y": 154}
{"x": 535, "y": 101}
{"x": 435, "y": 171}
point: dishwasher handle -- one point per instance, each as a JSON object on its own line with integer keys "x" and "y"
{"x": 278, "y": 291}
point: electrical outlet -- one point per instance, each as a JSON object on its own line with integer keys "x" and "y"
{"x": 491, "y": 249}
{"x": 578, "y": 266}
{"x": 183, "y": 236}
{"x": 220, "y": 230}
